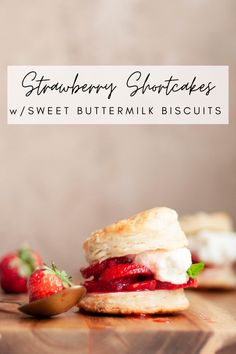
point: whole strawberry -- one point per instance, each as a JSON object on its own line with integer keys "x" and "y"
{"x": 47, "y": 281}
{"x": 15, "y": 269}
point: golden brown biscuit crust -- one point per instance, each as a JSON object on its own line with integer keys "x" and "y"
{"x": 157, "y": 228}
{"x": 139, "y": 302}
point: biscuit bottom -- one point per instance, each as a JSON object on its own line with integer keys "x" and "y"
{"x": 138, "y": 302}
{"x": 217, "y": 278}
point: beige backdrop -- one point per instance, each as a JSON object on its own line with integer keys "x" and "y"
{"x": 58, "y": 183}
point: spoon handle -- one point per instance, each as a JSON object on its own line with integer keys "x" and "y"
{"x": 10, "y": 302}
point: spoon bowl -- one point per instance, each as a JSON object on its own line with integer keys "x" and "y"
{"x": 54, "y": 304}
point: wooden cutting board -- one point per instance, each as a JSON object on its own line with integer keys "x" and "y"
{"x": 209, "y": 326}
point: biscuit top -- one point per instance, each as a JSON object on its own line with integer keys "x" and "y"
{"x": 157, "y": 228}
{"x": 217, "y": 222}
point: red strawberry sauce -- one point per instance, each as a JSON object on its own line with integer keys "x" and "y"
{"x": 121, "y": 274}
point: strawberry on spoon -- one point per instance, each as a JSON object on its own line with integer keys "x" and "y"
{"x": 46, "y": 281}
{"x": 51, "y": 292}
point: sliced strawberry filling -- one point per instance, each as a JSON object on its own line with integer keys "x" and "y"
{"x": 124, "y": 270}
{"x": 191, "y": 283}
{"x": 141, "y": 286}
{"x": 104, "y": 286}
{"x": 120, "y": 274}
{"x": 132, "y": 284}
{"x": 96, "y": 269}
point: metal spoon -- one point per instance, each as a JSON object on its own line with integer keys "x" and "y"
{"x": 54, "y": 304}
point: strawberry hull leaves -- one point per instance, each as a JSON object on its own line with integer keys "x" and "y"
{"x": 66, "y": 280}
{"x": 47, "y": 281}
{"x": 29, "y": 258}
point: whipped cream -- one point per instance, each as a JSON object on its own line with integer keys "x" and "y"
{"x": 217, "y": 248}
{"x": 169, "y": 266}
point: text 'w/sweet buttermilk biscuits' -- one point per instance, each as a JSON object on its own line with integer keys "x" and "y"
{"x": 139, "y": 265}
{"x": 212, "y": 240}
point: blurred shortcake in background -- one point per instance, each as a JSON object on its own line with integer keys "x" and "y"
{"x": 212, "y": 240}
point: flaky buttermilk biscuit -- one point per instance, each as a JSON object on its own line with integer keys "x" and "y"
{"x": 145, "y": 302}
{"x": 153, "y": 229}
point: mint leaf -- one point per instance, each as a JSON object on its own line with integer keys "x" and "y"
{"x": 195, "y": 269}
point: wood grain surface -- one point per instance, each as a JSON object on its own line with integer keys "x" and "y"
{"x": 209, "y": 326}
